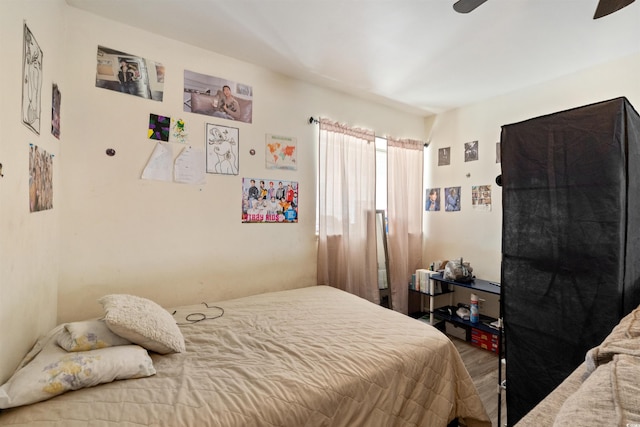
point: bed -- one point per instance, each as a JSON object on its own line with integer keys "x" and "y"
{"x": 603, "y": 390}
{"x": 314, "y": 356}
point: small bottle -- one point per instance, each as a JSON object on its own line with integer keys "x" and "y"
{"x": 474, "y": 317}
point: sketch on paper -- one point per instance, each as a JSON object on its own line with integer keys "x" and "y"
{"x": 31, "y": 81}
{"x": 40, "y": 180}
{"x": 269, "y": 200}
{"x": 281, "y": 152}
{"x": 222, "y": 144}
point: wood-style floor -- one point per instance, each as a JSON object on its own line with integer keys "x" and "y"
{"x": 483, "y": 368}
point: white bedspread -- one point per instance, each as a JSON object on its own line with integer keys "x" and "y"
{"x": 315, "y": 356}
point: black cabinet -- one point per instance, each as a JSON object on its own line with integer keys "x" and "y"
{"x": 570, "y": 241}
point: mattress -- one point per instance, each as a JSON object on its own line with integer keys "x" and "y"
{"x": 313, "y": 356}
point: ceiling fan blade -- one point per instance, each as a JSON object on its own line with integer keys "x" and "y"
{"x": 466, "y": 6}
{"x": 606, "y": 7}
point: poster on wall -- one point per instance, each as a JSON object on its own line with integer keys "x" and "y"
{"x": 281, "y": 152}
{"x": 56, "y": 100}
{"x": 471, "y": 151}
{"x": 129, "y": 74}
{"x": 222, "y": 144}
{"x": 31, "y": 81}
{"x": 217, "y": 97}
{"x": 269, "y": 200}
{"x": 452, "y": 199}
{"x": 432, "y": 203}
{"x": 444, "y": 157}
{"x": 481, "y": 198}
{"x": 159, "y": 127}
{"x": 40, "y": 179}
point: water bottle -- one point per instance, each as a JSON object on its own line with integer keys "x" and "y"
{"x": 474, "y": 317}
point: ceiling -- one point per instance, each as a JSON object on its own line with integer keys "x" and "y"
{"x": 416, "y": 55}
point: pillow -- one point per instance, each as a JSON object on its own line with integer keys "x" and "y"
{"x": 54, "y": 371}
{"x": 142, "y": 322}
{"x": 88, "y": 335}
{"x": 623, "y": 339}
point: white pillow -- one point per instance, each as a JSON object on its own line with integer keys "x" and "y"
{"x": 143, "y": 322}
{"x": 54, "y": 371}
{"x": 88, "y": 335}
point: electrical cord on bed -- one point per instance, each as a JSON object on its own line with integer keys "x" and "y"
{"x": 192, "y": 318}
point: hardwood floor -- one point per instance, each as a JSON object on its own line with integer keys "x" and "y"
{"x": 483, "y": 368}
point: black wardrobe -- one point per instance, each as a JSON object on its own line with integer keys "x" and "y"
{"x": 570, "y": 241}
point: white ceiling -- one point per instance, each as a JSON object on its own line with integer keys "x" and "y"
{"x": 417, "y": 55}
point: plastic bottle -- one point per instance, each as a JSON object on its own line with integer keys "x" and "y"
{"x": 474, "y": 317}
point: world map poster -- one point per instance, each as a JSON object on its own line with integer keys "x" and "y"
{"x": 281, "y": 152}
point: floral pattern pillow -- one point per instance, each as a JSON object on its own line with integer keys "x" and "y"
{"x": 88, "y": 335}
{"x": 54, "y": 371}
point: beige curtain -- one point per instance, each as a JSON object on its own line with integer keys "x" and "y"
{"x": 347, "y": 234}
{"x": 405, "y": 160}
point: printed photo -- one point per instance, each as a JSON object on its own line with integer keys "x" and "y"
{"x": 56, "y": 99}
{"x": 481, "y": 197}
{"x": 129, "y": 74}
{"x": 40, "y": 180}
{"x": 452, "y": 199}
{"x": 470, "y": 151}
{"x": 217, "y": 97}
{"x": 269, "y": 200}
{"x": 444, "y": 157}
{"x": 432, "y": 200}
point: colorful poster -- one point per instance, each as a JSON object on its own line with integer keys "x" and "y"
{"x": 281, "y": 152}
{"x": 217, "y": 97}
{"x": 432, "y": 200}
{"x": 265, "y": 200}
{"x": 159, "y": 127}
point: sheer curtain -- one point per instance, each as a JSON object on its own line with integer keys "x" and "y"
{"x": 347, "y": 234}
{"x": 405, "y": 160}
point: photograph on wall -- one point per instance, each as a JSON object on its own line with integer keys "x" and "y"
{"x": 31, "y": 81}
{"x": 217, "y": 97}
{"x": 470, "y": 151}
{"x": 432, "y": 200}
{"x": 159, "y": 127}
{"x": 40, "y": 179}
{"x": 481, "y": 197}
{"x": 497, "y": 152}
{"x": 56, "y": 99}
{"x": 444, "y": 157}
{"x": 222, "y": 144}
{"x": 129, "y": 74}
{"x": 269, "y": 200}
{"x": 452, "y": 199}
{"x": 281, "y": 152}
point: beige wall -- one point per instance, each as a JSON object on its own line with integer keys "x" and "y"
{"x": 109, "y": 230}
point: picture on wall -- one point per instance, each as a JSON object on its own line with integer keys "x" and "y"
{"x": 281, "y": 152}
{"x": 159, "y": 127}
{"x": 432, "y": 200}
{"x": 40, "y": 180}
{"x": 452, "y": 199}
{"x": 31, "y": 81}
{"x": 217, "y": 97}
{"x": 470, "y": 151}
{"x": 56, "y": 99}
{"x": 481, "y": 197}
{"x": 444, "y": 157}
{"x": 269, "y": 200}
{"x": 222, "y": 144}
{"x": 497, "y": 152}
{"x": 129, "y": 74}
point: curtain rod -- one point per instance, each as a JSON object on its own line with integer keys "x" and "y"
{"x": 316, "y": 121}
